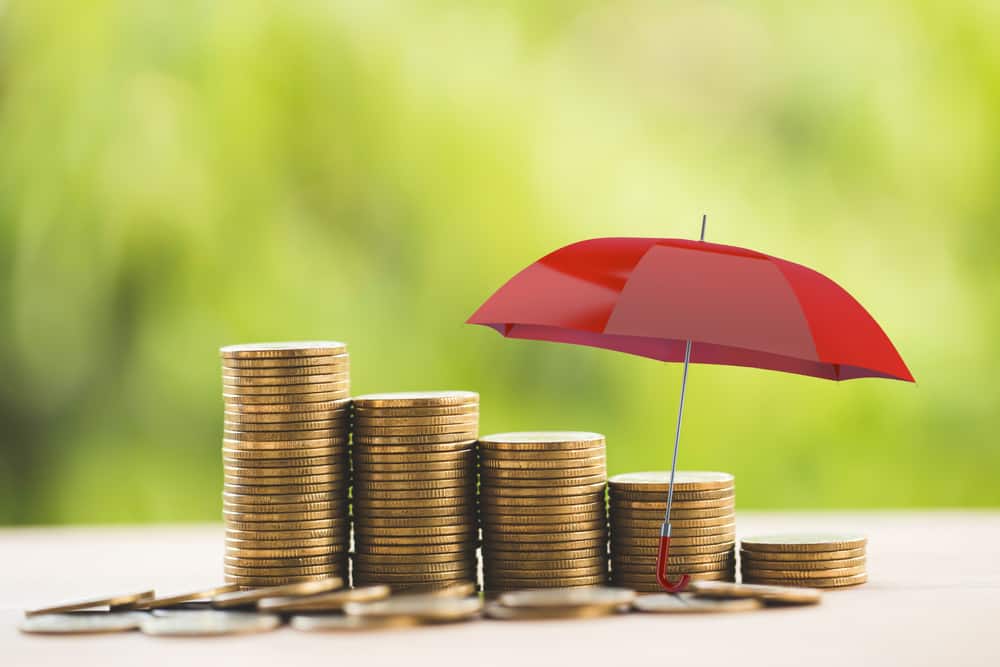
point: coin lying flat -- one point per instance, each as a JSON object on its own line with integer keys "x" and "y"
{"x": 794, "y": 542}
{"x": 250, "y": 598}
{"x": 831, "y": 582}
{"x": 123, "y": 601}
{"x": 416, "y": 399}
{"x": 180, "y": 599}
{"x": 771, "y": 595}
{"x": 502, "y": 612}
{"x": 82, "y": 622}
{"x": 683, "y": 603}
{"x": 684, "y": 480}
{"x": 424, "y": 608}
{"x": 330, "y": 601}
{"x": 331, "y": 623}
{"x": 208, "y": 623}
{"x": 312, "y": 348}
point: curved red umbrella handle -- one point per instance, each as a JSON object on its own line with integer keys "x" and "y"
{"x": 661, "y": 568}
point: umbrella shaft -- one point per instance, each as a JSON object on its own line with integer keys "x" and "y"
{"x": 677, "y": 437}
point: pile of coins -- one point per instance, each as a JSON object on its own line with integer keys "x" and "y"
{"x": 285, "y": 461}
{"x": 414, "y": 497}
{"x": 702, "y": 518}
{"x": 812, "y": 560}
{"x": 542, "y": 510}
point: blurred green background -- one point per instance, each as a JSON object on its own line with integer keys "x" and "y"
{"x": 178, "y": 176}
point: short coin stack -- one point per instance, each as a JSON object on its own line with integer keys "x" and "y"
{"x": 812, "y": 560}
{"x": 285, "y": 461}
{"x": 702, "y": 519}
{"x": 415, "y": 489}
{"x": 542, "y": 510}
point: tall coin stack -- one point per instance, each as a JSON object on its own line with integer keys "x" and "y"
{"x": 702, "y": 521}
{"x": 415, "y": 489}
{"x": 285, "y": 461}
{"x": 541, "y": 505}
{"x": 812, "y": 560}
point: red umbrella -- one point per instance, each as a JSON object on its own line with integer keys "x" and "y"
{"x": 674, "y": 300}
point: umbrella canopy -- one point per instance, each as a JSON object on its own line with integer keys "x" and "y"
{"x": 739, "y": 307}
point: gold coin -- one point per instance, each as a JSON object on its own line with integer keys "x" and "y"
{"x": 361, "y": 493}
{"x": 433, "y": 411}
{"x": 416, "y": 399}
{"x": 262, "y": 465}
{"x": 676, "y": 514}
{"x": 281, "y": 518}
{"x": 289, "y": 507}
{"x": 539, "y": 476}
{"x": 639, "y": 517}
{"x": 248, "y": 583}
{"x": 309, "y": 447}
{"x": 448, "y": 512}
{"x": 522, "y": 484}
{"x": 545, "y": 520}
{"x": 637, "y": 580}
{"x": 287, "y": 364}
{"x": 82, "y": 622}
{"x": 298, "y": 570}
{"x": 409, "y": 559}
{"x": 339, "y": 559}
{"x": 541, "y": 440}
{"x": 311, "y": 348}
{"x": 414, "y": 468}
{"x": 365, "y": 422}
{"x": 452, "y": 503}
{"x": 395, "y": 580}
{"x": 335, "y": 405}
{"x": 770, "y": 595}
{"x": 337, "y": 469}
{"x": 366, "y": 440}
{"x": 288, "y": 552}
{"x": 240, "y": 417}
{"x": 121, "y": 601}
{"x": 650, "y": 567}
{"x": 552, "y": 563}
{"x": 796, "y": 542}
{"x": 276, "y": 525}
{"x": 265, "y": 502}
{"x": 285, "y": 489}
{"x": 336, "y": 623}
{"x": 425, "y": 608}
{"x": 326, "y": 602}
{"x": 469, "y": 429}
{"x": 286, "y": 392}
{"x": 209, "y": 622}
{"x": 727, "y": 502}
{"x": 237, "y": 382}
{"x": 578, "y": 535}
{"x": 602, "y": 595}
{"x": 651, "y": 547}
{"x": 625, "y": 534}
{"x": 576, "y": 525}
{"x": 626, "y": 558}
{"x": 497, "y": 611}
{"x": 366, "y": 530}
{"x": 537, "y": 455}
{"x": 411, "y": 549}
{"x": 365, "y": 477}
{"x": 402, "y": 522}
{"x": 279, "y": 535}
{"x": 666, "y": 603}
{"x": 833, "y": 582}
{"x": 338, "y": 367}
{"x": 282, "y": 456}
{"x": 238, "y": 543}
{"x": 494, "y": 544}
{"x": 684, "y": 480}
{"x": 540, "y": 514}
{"x": 238, "y": 479}
{"x": 526, "y": 505}
{"x": 286, "y": 436}
{"x": 634, "y": 528}
{"x": 800, "y": 556}
{"x": 832, "y": 573}
{"x": 544, "y": 556}
{"x": 413, "y": 455}
{"x": 365, "y": 541}
{"x": 676, "y": 542}
{"x": 297, "y": 402}
{"x": 177, "y": 600}
{"x": 458, "y": 568}
{"x": 250, "y": 598}
{"x": 496, "y": 572}
{"x": 557, "y": 464}
{"x": 810, "y": 565}
{"x": 543, "y": 491}
{"x": 289, "y": 429}
{"x": 548, "y": 581}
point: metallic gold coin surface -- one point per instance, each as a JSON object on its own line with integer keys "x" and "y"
{"x": 211, "y": 622}
{"x": 283, "y": 392}
{"x": 319, "y": 570}
{"x": 637, "y": 580}
{"x": 176, "y": 600}
{"x": 82, "y": 622}
{"x": 566, "y": 544}
{"x": 794, "y": 575}
{"x": 239, "y": 401}
{"x": 796, "y": 542}
{"x": 234, "y": 479}
{"x": 648, "y": 537}
{"x": 577, "y": 525}
{"x": 551, "y": 504}
{"x": 770, "y": 595}
{"x": 463, "y": 502}
{"x": 332, "y": 601}
{"x": 415, "y": 549}
{"x": 286, "y": 364}
{"x": 413, "y": 578}
{"x": 289, "y": 429}
{"x": 413, "y": 454}
{"x": 426, "y": 608}
{"x": 363, "y": 412}
{"x": 500, "y": 612}
{"x": 626, "y": 558}
{"x": 289, "y": 552}
{"x": 834, "y": 582}
{"x": 801, "y": 556}
{"x": 250, "y": 598}
{"x": 282, "y": 420}
{"x": 501, "y": 465}
{"x": 676, "y": 514}
{"x": 684, "y": 603}
{"x": 336, "y": 405}
{"x": 539, "y": 491}
{"x": 336, "y": 558}
{"x": 403, "y": 522}
{"x": 361, "y": 493}
{"x": 235, "y": 383}
{"x": 650, "y": 567}
{"x": 596, "y": 534}
{"x": 334, "y": 367}
{"x": 415, "y": 399}
{"x": 311, "y": 348}
{"x": 364, "y": 475}
{"x": 370, "y": 486}
{"x": 406, "y": 559}
{"x": 277, "y": 490}
{"x": 278, "y": 525}
{"x": 517, "y": 555}
{"x": 120, "y": 601}
{"x": 366, "y": 430}
{"x": 649, "y": 517}
{"x": 365, "y": 541}
{"x": 552, "y": 563}
{"x": 648, "y": 547}
{"x": 541, "y": 440}
{"x": 271, "y": 536}
{"x": 337, "y": 469}
{"x": 364, "y": 422}
{"x": 284, "y": 456}
{"x": 569, "y": 456}
{"x": 684, "y": 480}
{"x": 807, "y": 566}
{"x": 459, "y": 568}
{"x": 337, "y": 623}
{"x": 631, "y": 530}
{"x": 495, "y": 572}
{"x": 364, "y": 530}
{"x": 546, "y": 520}
{"x": 285, "y": 436}
{"x": 439, "y": 439}
{"x": 459, "y": 511}
{"x": 597, "y": 595}
{"x": 237, "y": 543}
{"x": 290, "y": 448}
{"x": 727, "y": 502}
{"x": 536, "y": 477}
{"x": 546, "y": 582}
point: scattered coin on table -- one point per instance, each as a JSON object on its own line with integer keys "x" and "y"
{"x": 685, "y": 603}
{"x": 770, "y": 595}
{"x": 122, "y": 601}
{"x": 332, "y": 601}
{"x": 422, "y": 608}
{"x": 82, "y": 622}
{"x": 249, "y": 598}
{"x": 336, "y": 623}
{"x": 210, "y": 622}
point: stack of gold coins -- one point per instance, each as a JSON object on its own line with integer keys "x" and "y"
{"x": 286, "y": 463}
{"x": 811, "y": 560}
{"x": 702, "y": 519}
{"x": 542, "y": 509}
{"x": 415, "y": 489}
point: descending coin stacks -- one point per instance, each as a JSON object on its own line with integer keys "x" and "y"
{"x": 812, "y": 560}
{"x": 285, "y": 461}
{"x": 414, "y": 496}
{"x": 702, "y": 519}
{"x": 542, "y": 509}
